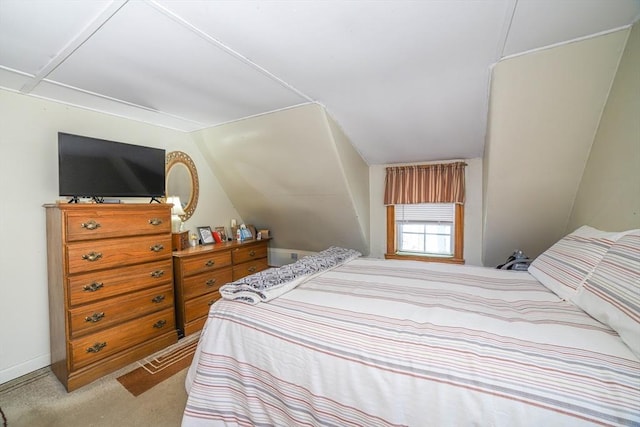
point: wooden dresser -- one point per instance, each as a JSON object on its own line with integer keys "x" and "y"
{"x": 111, "y": 299}
{"x": 199, "y": 272}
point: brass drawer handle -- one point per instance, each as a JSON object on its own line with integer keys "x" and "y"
{"x": 90, "y": 225}
{"x": 252, "y": 269}
{"x": 157, "y": 273}
{"x": 96, "y": 347}
{"x": 211, "y": 282}
{"x": 209, "y": 263}
{"x": 95, "y": 317}
{"x": 155, "y": 221}
{"x": 160, "y": 324}
{"x": 158, "y": 299}
{"x": 157, "y": 248}
{"x": 252, "y": 253}
{"x": 93, "y": 287}
{"x": 92, "y": 256}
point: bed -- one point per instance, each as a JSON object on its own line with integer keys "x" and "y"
{"x": 370, "y": 342}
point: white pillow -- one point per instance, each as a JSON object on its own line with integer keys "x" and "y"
{"x": 565, "y": 266}
{"x": 612, "y": 293}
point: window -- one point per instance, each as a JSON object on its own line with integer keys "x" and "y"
{"x": 430, "y": 223}
{"x": 426, "y": 232}
{"x": 425, "y": 229}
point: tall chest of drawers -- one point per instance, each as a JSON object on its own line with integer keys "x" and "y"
{"x": 200, "y": 271}
{"x": 111, "y": 297}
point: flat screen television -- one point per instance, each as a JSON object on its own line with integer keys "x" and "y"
{"x": 97, "y": 168}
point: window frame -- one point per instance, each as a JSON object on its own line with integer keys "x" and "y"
{"x": 458, "y": 249}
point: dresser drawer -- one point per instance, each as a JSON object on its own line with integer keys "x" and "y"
{"x": 94, "y": 286}
{"x": 99, "y": 224}
{"x": 204, "y": 262}
{"x": 100, "y": 254}
{"x": 249, "y": 253}
{"x": 247, "y": 268}
{"x": 201, "y": 284}
{"x": 195, "y": 326}
{"x": 102, "y": 314}
{"x": 199, "y": 306}
{"x": 95, "y": 347}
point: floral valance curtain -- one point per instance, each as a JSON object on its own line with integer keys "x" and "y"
{"x": 435, "y": 183}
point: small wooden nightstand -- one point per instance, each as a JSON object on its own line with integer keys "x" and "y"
{"x": 179, "y": 241}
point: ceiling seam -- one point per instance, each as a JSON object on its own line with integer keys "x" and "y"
{"x": 289, "y": 107}
{"x": 225, "y": 48}
{"x": 567, "y": 42}
{"x": 81, "y": 38}
{"x": 13, "y": 70}
{"x": 506, "y": 27}
{"x": 119, "y": 101}
{"x": 504, "y": 35}
{"x": 110, "y": 113}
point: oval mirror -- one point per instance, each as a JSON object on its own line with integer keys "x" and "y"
{"x": 182, "y": 181}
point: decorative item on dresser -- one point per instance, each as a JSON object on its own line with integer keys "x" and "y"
{"x": 180, "y": 241}
{"x": 199, "y": 272}
{"x": 177, "y": 213}
{"x": 110, "y": 287}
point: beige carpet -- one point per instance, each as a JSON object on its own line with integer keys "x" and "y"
{"x": 40, "y": 400}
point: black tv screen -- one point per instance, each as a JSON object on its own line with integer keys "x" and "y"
{"x": 91, "y": 167}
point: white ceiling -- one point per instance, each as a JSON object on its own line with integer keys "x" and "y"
{"x": 406, "y": 80}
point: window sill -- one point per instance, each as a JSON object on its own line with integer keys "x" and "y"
{"x": 444, "y": 260}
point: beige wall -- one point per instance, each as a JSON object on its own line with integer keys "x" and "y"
{"x": 472, "y": 212}
{"x": 609, "y": 193}
{"x": 292, "y": 171}
{"x": 356, "y": 173}
{"x": 545, "y": 108}
{"x": 29, "y": 178}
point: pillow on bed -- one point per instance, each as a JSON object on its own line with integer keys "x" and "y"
{"x": 612, "y": 293}
{"x": 565, "y": 266}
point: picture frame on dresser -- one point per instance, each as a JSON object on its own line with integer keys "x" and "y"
{"x": 206, "y": 235}
{"x": 252, "y": 230}
{"x": 222, "y": 232}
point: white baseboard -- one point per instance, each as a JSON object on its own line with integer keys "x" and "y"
{"x": 25, "y": 368}
{"x": 279, "y": 257}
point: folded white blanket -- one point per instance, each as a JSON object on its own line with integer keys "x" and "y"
{"x": 269, "y": 284}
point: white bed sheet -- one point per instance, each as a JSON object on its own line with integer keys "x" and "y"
{"x": 386, "y": 342}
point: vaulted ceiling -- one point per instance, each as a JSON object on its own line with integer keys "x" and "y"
{"x": 407, "y": 81}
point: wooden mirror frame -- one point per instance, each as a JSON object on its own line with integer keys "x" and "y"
{"x": 179, "y": 157}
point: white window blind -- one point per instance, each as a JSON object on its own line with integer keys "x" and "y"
{"x": 429, "y": 212}
{"x": 425, "y": 228}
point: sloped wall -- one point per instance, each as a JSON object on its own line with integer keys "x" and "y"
{"x": 545, "y": 108}
{"x": 294, "y": 172}
{"x": 609, "y": 193}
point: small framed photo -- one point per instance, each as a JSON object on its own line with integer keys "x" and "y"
{"x": 245, "y": 233}
{"x": 206, "y": 236}
{"x": 222, "y": 232}
{"x": 253, "y": 232}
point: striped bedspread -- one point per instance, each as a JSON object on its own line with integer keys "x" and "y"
{"x": 402, "y": 343}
